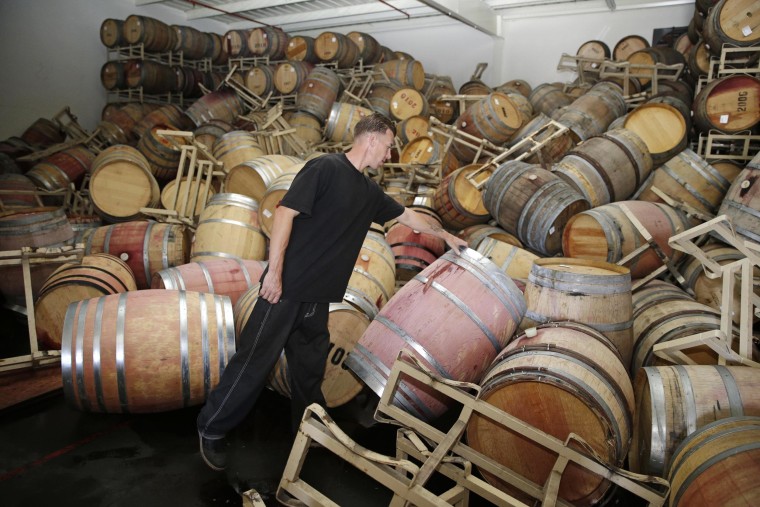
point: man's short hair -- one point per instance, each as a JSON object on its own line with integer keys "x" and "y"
{"x": 374, "y": 123}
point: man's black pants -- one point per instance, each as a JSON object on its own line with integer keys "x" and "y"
{"x": 299, "y": 328}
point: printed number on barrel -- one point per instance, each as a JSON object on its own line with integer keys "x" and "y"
{"x": 742, "y": 107}
{"x": 336, "y": 356}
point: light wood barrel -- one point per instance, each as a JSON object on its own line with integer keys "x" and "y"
{"x": 533, "y": 204}
{"x": 112, "y": 32}
{"x": 121, "y": 183}
{"x": 718, "y": 465}
{"x": 607, "y": 168}
{"x": 268, "y": 41}
{"x": 229, "y": 228}
{"x": 97, "y": 275}
{"x": 511, "y": 259}
{"x": 334, "y": 47}
{"x": 195, "y": 191}
{"x": 411, "y": 128}
{"x": 289, "y": 76}
{"x": 237, "y": 147}
{"x": 689, "y": 178}
{"x": 373, "y": 280}
{"x": 597, "y": 294}
{"x": 112, "y": 75}
{"x": 493, "y": 118}
{"x": 547, "y": 98}
{"x": 308, "y": 127}
{"x": 607, "y": 234}
{"x": 673, "y": 402}
{"x": 318, "y": 93}
{"x": 342, "y": 120}
{"x": 191, "y": 42}
{"x": 236, "y": 42}
{"x": 627, "y": 46}
{"x": 380, "y": 95}
{"x": 145, "y": 351}
{"x": 661, "y": 127}
{"x": 730, "y": 104}
{"x": 252, "y": 178}
{"x": 475, "y": 87}
{"x": 406, "y": 72}
{"x": 732, "y": 22}
{"x": 301, "y": 49}
{"x": 370, "y": 50}
{"x": 568, "y": 378}
{"x": 653, "y": 56}
{"x": 225, "y": 277}
{"x": 146, "y": 246}
{"x": 260, "y": 80}
{"x": 408, "y": 102}
{"x": 457, "y": 202}
{"x": 595, "y": 49}
{"x": 454, "y": 316}
{"x": 413, "y": 251}
{"x": 274, "y": 193}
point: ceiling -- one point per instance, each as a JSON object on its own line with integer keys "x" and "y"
{"x": 305, "y": 15}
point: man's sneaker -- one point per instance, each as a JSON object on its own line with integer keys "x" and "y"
{"x": 214, "y": 452}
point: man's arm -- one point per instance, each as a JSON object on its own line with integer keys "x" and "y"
{"x": 414, "y": 220}
{"x": 271, "y": 287}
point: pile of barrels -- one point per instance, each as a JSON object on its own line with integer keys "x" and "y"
{"x": 540, "y": 311}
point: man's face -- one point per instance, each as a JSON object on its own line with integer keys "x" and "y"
{"x": 381, "y": 149}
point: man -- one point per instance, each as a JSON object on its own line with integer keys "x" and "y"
{"x": 318, "y": 230}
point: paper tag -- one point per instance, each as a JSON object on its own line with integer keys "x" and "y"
{"x": 267, "y": 213}
{"x": 724, "y": 119}
{"x": 334, "y": 39}
{"x": 747, "y": 31}
{"x": 551, "y": 230}
{"x": 124, "y": 256}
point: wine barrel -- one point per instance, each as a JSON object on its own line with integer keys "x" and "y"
{"x": 62, "y": 169}
{"x": 406, "y": 72}
{"x": 252, "y": 178}
{"x": 161, "y": 153}
{"x": 568, "y": 378}
{"x": 606, "y": 168}
{"x": 237, "y": 147}
{"x": 35, "y": 228}
{"x": 229, "y": 228}
{"x": 121, "y": 183}
{"x": 413, "y": 251}
{"x": 236, "y": 43}
{"x": 97, "y": 275}
{"x": 11, "y": 183}
{"x": 370, "y": 50}
{"x": 591, "y": 114}
{"x": 457, "y": 202}
{"x": 407, "y": 102}
{"x": 112, "y": 32}
{"x": 717, "y": 465}
{"x": 146, "y": 351}
{"x": 168, "y": 115}
{"x": 554, "y": 147}
{"x": 475, "y": 87}
{"x": 673, "y": 402}
{"x": 152, "y": 33}
{"x": 267, "y": 41}
{"x": 689, "y": 178}
{"x": 533, "y": 204}
{"x": 318, "y": 93}
{"x": 548, "y": 98}
{"x": 493, "y": 118}
{"x": 301, "y": 49}
{"x": 474, "y": 234}
{"x": 732, "y": 22}
{"x": 112, "y": 75}
{"x": 260, "y": 80}
{"x": 381, "y": 94}
{"x": 289, "y": 76}
{"x": 627, "y": 46}
{"x": 594, "y": 293}
{"x": 653, "y": 56}
{"x": 593, "y": 49}
{"x": 224, "y": 277}
{"x": 607, "y": 234}
{"x": 274, "y": 193}
{"x": 661, "y": 127}
{"x": 195, "y": 191}
{"x": 308, "y": 127}
{"x": 216, "y": 49}
{"x": 454, "y": 316}
{"x": 219, "y": 105}
{"x": 730, "y": 104}
{"x": 510, "y": 258}
{"x": 191, "y": 42}
{"x": 334, "y": 47}
{"x": 411, "y": 128}
{"x": 342, "y": 120}
{"x": 742, "y": 202}
{"x": 210, "y": 131}
{"x": 373, "y": 280}
{"x": 146, "y": 246}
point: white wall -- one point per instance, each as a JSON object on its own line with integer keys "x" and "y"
{"x": 51, "y": 53}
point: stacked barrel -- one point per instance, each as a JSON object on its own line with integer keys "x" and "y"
{"x": 541, "y": 311}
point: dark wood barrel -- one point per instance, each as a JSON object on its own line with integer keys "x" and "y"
{"x": 318, "y": 93}
{"x": 548, "y": 98}
{"x": 218, "y": 105}
{"x": 10, "y": 183}
{"x": 112, "y": 75}
{"x": 494, "y": 118}
{"x": 627, "y": 46}
{"x": 730, "y": 104}
{"x": 236, "y": 43}
{"x": 34, "y": 227}
{"x": 334, "y": 47}
{"x": 62, "y": 169}
{"x": 532, "y": 203}
{"x": 381, "y": 94}
{"x": 169, "y": 114}
{"x": 406, "y": 72}
{"x": 289, "y": 76}
{"x": 742, "y": 202}
{"x": 43, "y": 133}
{"x": 301, "y": 49}
{"x": 153, "y": 77}
{"x": 456, "y": 200}
{"x": 591, "y": 114}
{"x": 152, "y": 33}
{"x": 370, "y": 50}
{"x": 191, "y": 42}
{"x": 267, "y": 41}
{"x": 162, "y": 155}
{"x": 146, "y": 351}
{"x": 112, "y": 32}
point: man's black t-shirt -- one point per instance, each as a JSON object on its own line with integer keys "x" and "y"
{"x": 337, "y": 204}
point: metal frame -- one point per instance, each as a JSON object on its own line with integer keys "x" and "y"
{"x": 741, "y": 147}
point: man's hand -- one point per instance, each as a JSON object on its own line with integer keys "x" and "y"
{"x": 457, "y": 244}
{"x": 271, "y": 288}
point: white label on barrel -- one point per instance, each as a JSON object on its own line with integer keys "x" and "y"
{"x": 747, "y": 31}
{"x": 496, "y": 101}
{"x": 532, "y": 177}
{"x": 745, "y": 184}
{"x": 395, "y": 104}
{"x": 334, "y": 39}
{"x": 416, "y": 232}
{"x": 124, "y": 256}
{"x": 365, "y": 257}
{"x": 430, "y": 148}
{"x": 724, "y": 118}
{"x": 551, "y": 230}
{"x": 311, "y": 85}
{"x": 267, "y": 213}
